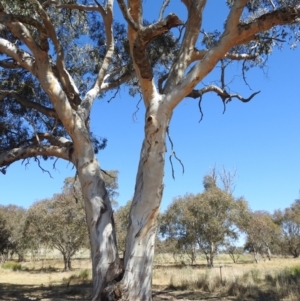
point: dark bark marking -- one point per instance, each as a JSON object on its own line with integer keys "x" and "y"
{"x": 151, "y": 221}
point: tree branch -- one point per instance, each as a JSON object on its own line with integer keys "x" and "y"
{"x": 246, "y": 31}
{"x": 131, "y": 22}
{"x": 40, "y": 28}
{"x": 29, "y": 104}
{"x": 199, "y": 55}
{"x": 163, "y": 7}
{"x": 144, "y": 37}
{"x": 22, "y": 58}
{"x": 92, "y": 94}
{"x": 234, "y": 16}
{"x": 193, "y": 26}
{"x": 116, "y": 83}
{"x": 16, "y": 154}
{"x": 65, "y": 78}
{"x": 98, "y": 8}
{"x": 20, "y": 31}
{"x": 55, "y": 141}
{"x": 239, "y": 34}
{"x": 222, "y": 93}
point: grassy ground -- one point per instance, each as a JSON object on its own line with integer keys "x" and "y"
{"x": 275, "y": 280}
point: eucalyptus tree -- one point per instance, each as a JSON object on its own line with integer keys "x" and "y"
{"x": 51, "y": 81}
{"x": 121, "y": 218}
{"x": 15, "y": 220}
{"x": 59, "y": 223}
{"x": 261, "y": 232}
{"x": 4, "y": 237}
{"x": 289, "y": 222}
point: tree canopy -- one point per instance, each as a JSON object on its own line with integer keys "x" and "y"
{"x": 204, "y": 221}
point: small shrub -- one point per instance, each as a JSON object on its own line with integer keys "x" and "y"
{"x": 84, "y": 275}
{"x": 12, "y": 266}
{"x": 255, "y": 275}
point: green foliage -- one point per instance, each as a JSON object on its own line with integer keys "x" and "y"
{"x": 60, "y": 223}
{"x": 261, "y": 232}
{"x": 12, "y": 220}
{"x": 121, "y": 217}
{"x": 289, "y": 222}
{"x": 12, "y": 266}
{"x": 203, "y": 221}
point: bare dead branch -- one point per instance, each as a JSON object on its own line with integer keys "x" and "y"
{"x": 222, "y": 93}
{"x": 200, "y": 108}
{"x": 244, "y": 76}
{"x": 114, "y": 96}
{"x": 225, "y": 96}
{"x": 36, "y": 159}
{"x": 137, "y": 109}
{"x": 173, "y": 153}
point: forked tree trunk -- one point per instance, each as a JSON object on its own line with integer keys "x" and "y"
{"x": 137, "y": 281}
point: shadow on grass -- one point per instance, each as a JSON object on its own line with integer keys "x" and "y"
{"x": 12, "y": 292}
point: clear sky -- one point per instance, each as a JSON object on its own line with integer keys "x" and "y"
{"x": 260, "y": 139}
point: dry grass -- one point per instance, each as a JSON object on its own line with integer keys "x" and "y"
{"x": 275, "y": 280}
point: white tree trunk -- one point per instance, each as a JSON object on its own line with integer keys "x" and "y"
{"x": 137, "y": 280}
{"x": 99, "y": 214}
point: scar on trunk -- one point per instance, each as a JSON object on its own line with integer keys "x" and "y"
{"x": 151, "y": 221}
{"x": 84, "y": 165}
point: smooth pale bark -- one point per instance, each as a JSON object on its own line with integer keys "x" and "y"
{"x": 137, "y": 280}
{"x": 105, "y": 260}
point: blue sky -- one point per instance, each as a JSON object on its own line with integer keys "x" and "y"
{"x": 260, "y": 139}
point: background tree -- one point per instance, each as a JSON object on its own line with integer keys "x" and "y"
{"x": 175, "y": 227}
{"x": 15, "y": 220}
{"x": 233, "y": 250}
{"x": 47, "y": 95}
{"x": 121, "y": 220}
{"x": 58, "y": 223}
{"x": 204, "y": 221}
{"x": 261, "y": 232}
{"x": 4, "y": 237}
{"x": 289, "y": 221}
